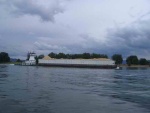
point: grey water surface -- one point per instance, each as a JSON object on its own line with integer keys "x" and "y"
{"x": 27, "y": 89}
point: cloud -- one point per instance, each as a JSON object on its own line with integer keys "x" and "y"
{"x": 75, "y": 26}
{"x": 131, "y": 39}
{"x": 45, "y": 9}
{"x": 43, "y": 44}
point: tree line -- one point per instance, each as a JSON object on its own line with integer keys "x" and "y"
{"x": 130, "y": 60}
{"x": 74, "y": 56}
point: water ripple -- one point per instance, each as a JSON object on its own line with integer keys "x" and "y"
{"x": 25, "y": 89}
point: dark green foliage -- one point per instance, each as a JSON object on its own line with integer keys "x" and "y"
{"x": 37, "y": 60}
{"x": 117, "y": 58}
{"x": 132, "y": 60}
{"x": 148, "y": 62}
{"x": 40, "y": 56}
{"x": 61, "y": 55}
{"x": 4, "y": 57}
{"x": 52, "y": 55}
{"x": 18, "y": 60}
{"x": 143, "y": 61}
{"x": 28, "y": 56}
{"x": 76, "y": 56}
{"x": 95, "y": 55}
{"x": 86, "y": 55}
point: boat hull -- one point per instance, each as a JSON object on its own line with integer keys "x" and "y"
{"x": 80, "y": 66}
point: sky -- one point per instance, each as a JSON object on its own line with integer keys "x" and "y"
{"x": 75, "y": 26}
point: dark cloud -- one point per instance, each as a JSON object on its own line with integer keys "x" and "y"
{"x": 45, "y": 11}
{"x": 132, "y": 39}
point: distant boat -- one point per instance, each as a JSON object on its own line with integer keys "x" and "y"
{"x": 12, "y": 64}
{"x": 117, "y": 68}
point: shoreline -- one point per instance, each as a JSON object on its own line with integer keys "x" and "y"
{"x": 134, "y": 66}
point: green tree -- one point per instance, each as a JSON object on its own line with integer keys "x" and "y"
{"x": 86, "y": 55}
{"x": 28, "y": 56}
{"x": 4, "y": 57}
{"x": 41, "y": 56}
{"x": 36, "y": 60}
{"x": 103, "y": 56}
{"x": 93, "y": 55}
{"x": 61, "y": 55}
{"x": 117, "y": 58}
{"x": 143, "y": 61}
{"x": 52, "y": 55}
{"x": 18, "y": 60}
{"x": 133, "y": 59}
{"x": 148, "y": 62}
{"x": 75, "y": 56}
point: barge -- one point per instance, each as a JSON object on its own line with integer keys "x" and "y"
{"x": 81, "y": 63}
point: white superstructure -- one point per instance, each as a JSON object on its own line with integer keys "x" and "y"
{"x": 31, "y": 60}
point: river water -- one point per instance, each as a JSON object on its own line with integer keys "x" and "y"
{"x": 27, "y": 89}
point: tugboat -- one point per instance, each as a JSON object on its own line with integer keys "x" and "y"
{"x": 30, "y": 59}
